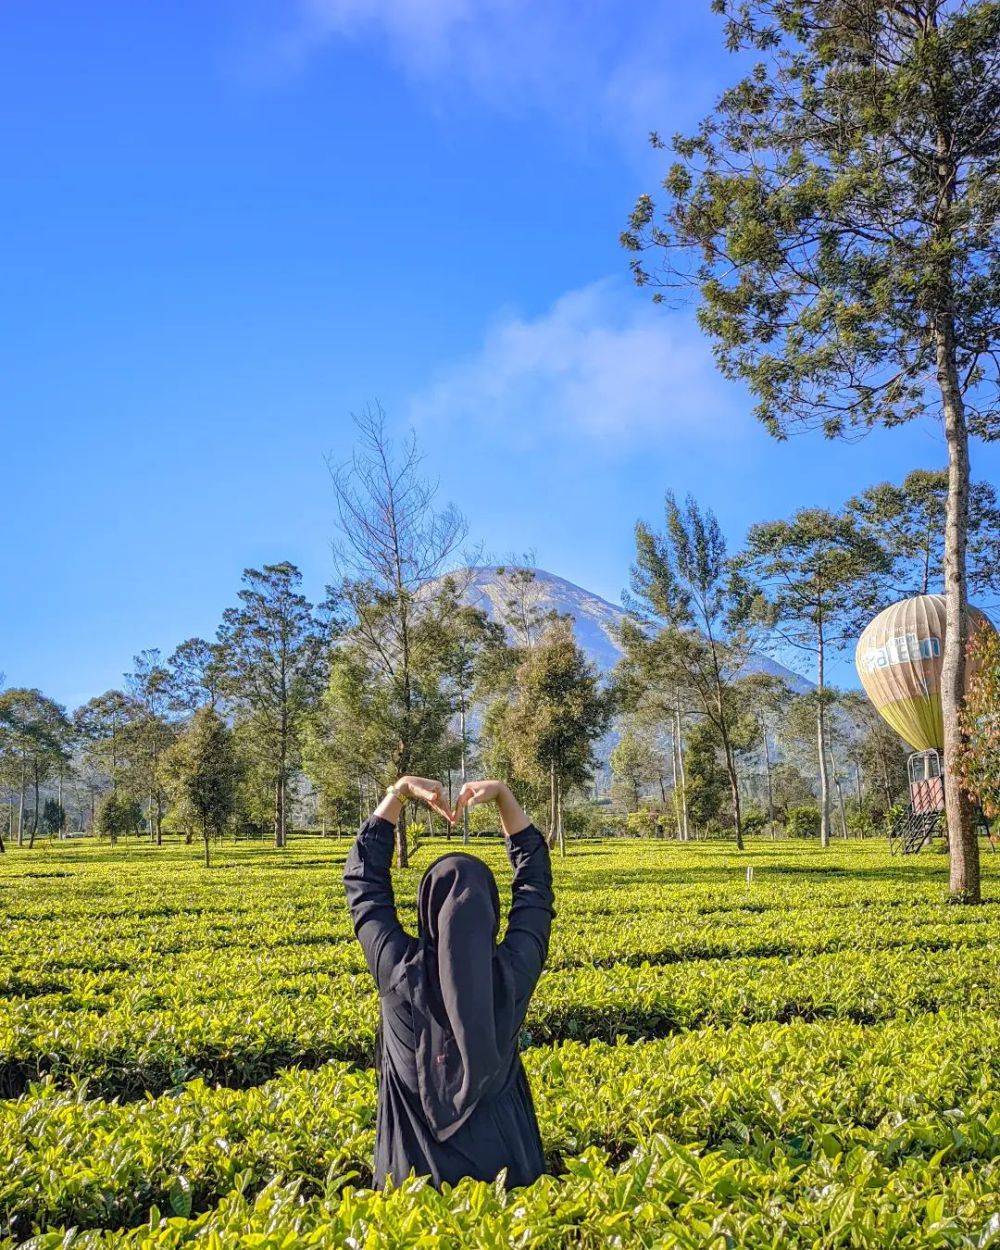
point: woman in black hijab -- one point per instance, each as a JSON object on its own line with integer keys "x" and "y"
{"x": 453, "y": 1098}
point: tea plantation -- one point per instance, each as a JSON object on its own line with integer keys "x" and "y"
{"x": 812, "y": 1059}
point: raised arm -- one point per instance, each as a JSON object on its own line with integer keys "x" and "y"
{"x": 368, "y": 879}
{"x": 530, "y": 920}
{"x": 526, "y": 943}
{"x": 368, "y": 882}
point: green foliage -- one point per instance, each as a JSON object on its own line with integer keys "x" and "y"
{"x": 909, "y": 520}
{"x": 635, "y": 764}
{"x": 980, "y": 758}
{"x": 837, "y": 210}
{"x": 547, "y": 720}
{"x": 103, "y": 728}
{"x": 641, "y": 823}
{"x": 53, "y": 817}
{"x": 270, "y": 653}
{"x": 592, "y": 820}
{"x": 202, "y": 773}
{"x": 35, "y": 738}
{"x": 817, "y": 580}
{"x": 803, "y": 822}
{"x": 689, "y": 635}
{"x": 707, "y": 783}
{"x": 118, "y": 815}
{"x": 837, "y": 213}
{"x": 755, "y": 821}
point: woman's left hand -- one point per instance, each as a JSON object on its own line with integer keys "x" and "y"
{"x": 425, "y": 790}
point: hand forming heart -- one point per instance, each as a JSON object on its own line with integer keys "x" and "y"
{"x": 425, "y": 790}
{"x": 474, "y": 792}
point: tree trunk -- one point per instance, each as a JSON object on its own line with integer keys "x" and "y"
{"x": 673, "y": 775}
{"x": 559, "y": 818}
{"x": 734, "y": 790}
{"x": 204, "y": 834}
{"x": 20, "y": 805}
{"x": 926, "y": 580}
{"x": 402, "y": 850}
{"x": 770, "y": 791}
{"x": 962, "y": 836}
{"x": 278, "y": 814}
{"x": 683, "y": 776}
{"x": 887, "y": 788}
{"x": 553, "y": 831}
{"x": 465, "y": 810}
{"x": 843, "y": 814}
{"x": 824, "y": 780}
{"x": 34, "y": 819}
{"x": 734, "y": 787}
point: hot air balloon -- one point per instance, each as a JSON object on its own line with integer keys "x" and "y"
{"x": 899, "y": 659}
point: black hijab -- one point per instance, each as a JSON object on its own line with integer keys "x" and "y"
{"x": 461, "y": 994}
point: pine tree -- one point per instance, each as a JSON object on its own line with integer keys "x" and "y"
{"x": 272, "y": 651}
{"x": 688, "y": 632}
{"x": 558, "y": 713}
{"x": 201, "y": 772}
{"x": 819, "y": 581}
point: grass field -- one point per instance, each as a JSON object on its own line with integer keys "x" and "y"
{"x": 812, "y": 1059}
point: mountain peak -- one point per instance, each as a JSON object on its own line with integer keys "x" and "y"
{"x": 594, "y": 618}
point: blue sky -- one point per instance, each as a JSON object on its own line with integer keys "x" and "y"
{"x": 229, "y": 225}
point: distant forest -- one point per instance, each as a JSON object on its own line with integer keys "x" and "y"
{"x": 296, "y": 715}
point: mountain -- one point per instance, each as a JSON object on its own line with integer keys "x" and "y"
{"x": 594, "y": 618}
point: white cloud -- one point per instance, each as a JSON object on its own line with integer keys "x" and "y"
{"x": 584, "y": 65}
{"x": 602, "y": 362}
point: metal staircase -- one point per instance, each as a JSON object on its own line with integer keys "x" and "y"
{"x": 911, "y": 831}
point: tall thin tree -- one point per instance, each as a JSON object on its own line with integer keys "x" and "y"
{"x": 818, "y": 579}
{"x": 688, "y": 630}
{"x": 272, "y": 650}
{"x": 393, "y": 544}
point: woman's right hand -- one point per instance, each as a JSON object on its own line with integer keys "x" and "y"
{"x": 474, "y": 792}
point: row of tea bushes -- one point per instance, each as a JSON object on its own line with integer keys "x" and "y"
{"x": 145, "y": 1035}
{"x": 316, "y": 932}
{"x": 665, "y": 1195}
{"x": 924, "y": 1088}
{"x": 199, "y": 973}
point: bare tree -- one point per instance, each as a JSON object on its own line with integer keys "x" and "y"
{"x": 393, "y": 544}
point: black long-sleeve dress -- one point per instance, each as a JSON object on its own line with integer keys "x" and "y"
{"x": 453, "y": 1097}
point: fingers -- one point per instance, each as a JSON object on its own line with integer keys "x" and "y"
{"x": 466, "y": 798}
{"x": 471, "y": 793}
{"x": 432, "y": 793}
{"x": 442, "y": 809}
{"x": 460, "y": 801}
